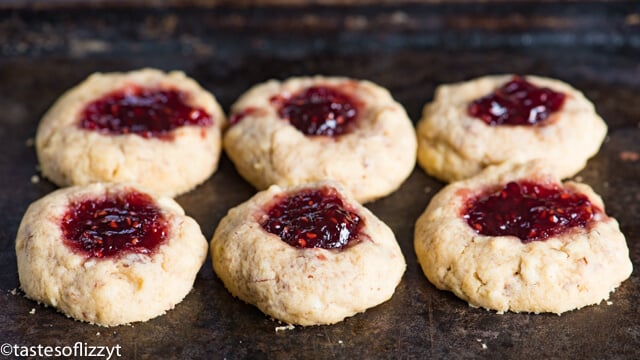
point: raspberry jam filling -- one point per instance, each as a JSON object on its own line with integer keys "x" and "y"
{"x": 319, "y": 110}
{"x": 238, "y": 116}
{"x": 529, "y": 211}
{"x": 114, "y": 224}
{"x": 142, "y": 111}
{"x": 518, "y": 102}
{"x": 313, "y": 218}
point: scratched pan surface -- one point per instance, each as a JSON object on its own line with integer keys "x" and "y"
{"x": 408, "y": 49}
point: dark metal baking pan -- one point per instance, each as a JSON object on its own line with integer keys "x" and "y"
{"x": 409, "y": 49}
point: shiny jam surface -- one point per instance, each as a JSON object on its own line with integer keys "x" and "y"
{"x": 142, "y": 111}
{"x": 518, "y": 102}
{"x": 114, "y": 224}
{"x": 319, "y": 110}
{"x": 313, "y": 218}
{"x": 528, "y": 211}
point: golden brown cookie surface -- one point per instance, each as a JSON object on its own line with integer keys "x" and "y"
{"x": 525, "y": 271}
{"x": 454, "y": 145}
{"x": 269, "y": 252}
{"x": 159, "y": 130}
{"x": 309, "y": 129}
{"x": 108, "y": 254}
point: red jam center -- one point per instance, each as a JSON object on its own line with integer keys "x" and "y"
{"x": 313, "y": 218}
{"x": 517, "y": 102}
{"x": 114, "y": 224}
{"x": 529, "y": 211}
{"x": 239, "y": 116}
{"x": 142, "y": 111}
{"x": 319, "y": 110}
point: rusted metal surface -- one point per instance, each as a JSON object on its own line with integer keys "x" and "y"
{"x": 408, "y": 49}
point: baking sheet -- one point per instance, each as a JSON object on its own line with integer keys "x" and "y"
{"x": 409, "y": 50}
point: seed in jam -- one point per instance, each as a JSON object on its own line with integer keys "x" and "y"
{"x": 111, "y": 225}
{"x": 314, "y": 218}
{"x": 529, "y": 211}
{"x": 319, "y": 110}
{"x": 142, "y": 111}
{"x": 518, "y": 102}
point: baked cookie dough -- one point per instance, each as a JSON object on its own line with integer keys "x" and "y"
{"x": 108, "y": 254}
{"x": 307, "y": 129}
{"x": 540, "y": 268}
{"x": 160, "y": 130}
{"x": 454, "y": 145}
{"x": 307, "y": 255}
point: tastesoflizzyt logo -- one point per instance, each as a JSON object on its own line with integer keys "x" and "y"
{"x": 77, "y": 350}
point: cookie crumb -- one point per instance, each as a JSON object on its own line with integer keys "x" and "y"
{"x": 630, "y": 156}
{"x": 35, "y": 179}
{"x": 30, "y": 142}
{"x": 484, "y": 346}
{"x": 399, "y": 17}
{"x": 578, "y": 178}
{"x": 284, "y": 328}
{"x": 632, "y": 19}
{"x": 33, "y": 311}
{"x": 14, "y": 291}
{"x": 98, "y": 333}
{"x": 340, "y": 342}
{"x": 609, "y": 302}
{"x": 355, "y": 22}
